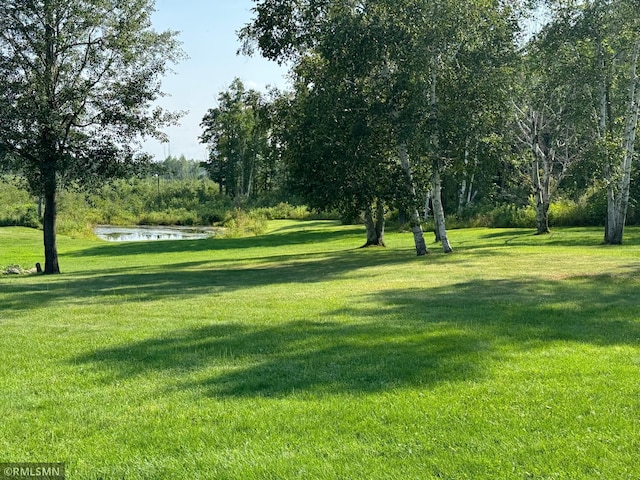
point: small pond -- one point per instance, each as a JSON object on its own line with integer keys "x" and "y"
{"x": 150, "y": 233}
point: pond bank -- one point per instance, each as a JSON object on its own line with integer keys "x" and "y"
{"x": 140, "y": 233}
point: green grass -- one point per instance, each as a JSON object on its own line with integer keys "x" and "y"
{"x": 296, "y": 355}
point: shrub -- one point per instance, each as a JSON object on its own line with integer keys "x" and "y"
{"x": 240, "y": 224}
{"x": 17, "y": 207}
{"x": 172, "y": 216}
{"x": 588, "y": 210}
{"x": 283, "y": 211}
{"x": 500, "y": 216}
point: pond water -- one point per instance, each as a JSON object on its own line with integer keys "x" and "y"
{"x": 151, "y": 233}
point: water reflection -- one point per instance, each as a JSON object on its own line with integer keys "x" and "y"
{"x": 151, "y": 233}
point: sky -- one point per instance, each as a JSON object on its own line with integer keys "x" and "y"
{"x": 208, "y": 32}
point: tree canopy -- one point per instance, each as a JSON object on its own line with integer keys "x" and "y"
{"x": 78, "y": 80}
{"x": 389, "y": 81}
{"x": 237, "y": 133}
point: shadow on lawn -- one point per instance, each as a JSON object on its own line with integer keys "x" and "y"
{"x": 417, "y": 337}
{"x": 562, "y": 237}
{"x": 297, "y": 356}
{"x": 182, "y": 280}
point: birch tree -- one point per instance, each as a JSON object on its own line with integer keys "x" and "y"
{"x": 236, "y": 133}
{"x": 470, "y": 58}
{"x": 403, "y": 51}
{"x": 549, "y": 144}
{"x": 350, "y": 49}
{"x": 618, "y": 191}
{"x": 606, "y": 36}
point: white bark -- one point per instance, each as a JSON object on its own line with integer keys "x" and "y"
{"x": 436, "y": 181}
{"x": 462, "y": 196}
{"x": 618, "y": 194}
{"x": 533, "y": 130}
{"x": 438, "y": 213}
{"x": 416, "y": 227}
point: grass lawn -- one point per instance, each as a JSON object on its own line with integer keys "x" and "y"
{"x": 296, "y": 355}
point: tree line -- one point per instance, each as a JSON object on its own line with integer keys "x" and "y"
{"x": 438, "y": 106}
{"x": 432, "y": 107}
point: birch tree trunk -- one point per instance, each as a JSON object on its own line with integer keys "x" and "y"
{"x": 416, "y": 227}
{"x": 541, "y": 199}
{"x": 438, "y": 212}
{"x": 436, "y": 180}
{"x": 618, "y": 199}
{"x": 463, "y": 185}
{"x": 537, "y": 138}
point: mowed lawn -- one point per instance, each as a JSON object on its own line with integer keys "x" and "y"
{"x": 296, "y": 355}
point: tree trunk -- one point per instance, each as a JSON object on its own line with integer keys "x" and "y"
{"x": 470, "y": 193}
{"x": 618, "y": 200}
{"x": 542, "y": 207}
{"x": 427, "y": 203}
{"x": 50, "y": 216}
{"x": 463, "y": 185}
{"x": 48, "y": 145}
{"x": 380, "y": 223}
{"x": 374, "y": 226}
{"x": 438, "y": 212}
{"x": 462, "y": 195}
{"x": 416, "y": 227}
{"x": 436, "y": 181}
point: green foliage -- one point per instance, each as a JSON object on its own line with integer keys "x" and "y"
{"x": 158, "y": 201}
{"x": 589, "y": 210}
{"x": 239, "y": 223}
{"x": 172, "y": 168}
{"x": 171, "y": 216}
{"x": 17, "y": 207}
{"x": 137, "y": 202}
{"x": 504, "y": 215}
{"x": 75, "y": 217}
{"x": 284, "y": 211}
{"x": 242, "y": 158}
{"x": 78, "y": 84}
{"x": 75, "y": 115}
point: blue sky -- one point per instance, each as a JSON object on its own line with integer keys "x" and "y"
{"x": 208, "y": 30}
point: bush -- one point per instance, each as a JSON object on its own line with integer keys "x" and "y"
{"x": 17, "y": 207}
{"x": 241, "y": 224}
{"x": 177, "y": 216}
{"x": 503, "y": 216}
{"x": 589, "y": 211}
{"x": 283, "y": 211}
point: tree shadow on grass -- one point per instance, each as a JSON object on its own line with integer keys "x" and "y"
{"x": 598, "y": 310}
{"x": 405, "y": 337}
{"x": 563, "y": 236}
{"x": 189, "y": 279}
{"x": 297, "y": 356}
